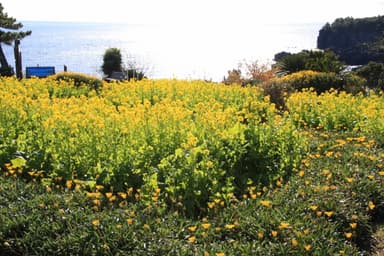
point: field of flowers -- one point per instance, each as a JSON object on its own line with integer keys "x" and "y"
{"x": 170, "y": 167}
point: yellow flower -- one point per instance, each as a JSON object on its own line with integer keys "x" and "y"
{"x": 348, "y": 235}
{"x": 301, "y": 173}
{"x": 371, "y": 205}
{"x": 329, "y": 214}
{"x": 306, "y": 231}
{"x": 96, "y": 222}
{"x": 122, "y": 195}
{"x": 68, "y": 184}
{"x": 284, "y": 225}
{"x": 353, "y": 225}
{"x": 326, "y": 172}
{"x": 313, "y": 207}
{"x": 96, "y": 202}
{"x": 192, "y": 228}
{"x": 108, "y": 194}
{"x": 130, "y": 221}
{"x": 266, "y": 203}
{"x": 307, "y": 247}
{"x": 294, "y": 242}
{"x": 319, "y": 213}
{"x": 229, "y": 226}
{"x": 260, "y": 234}
{"x": 206, "y": 225}
{"x": 274, "y": 233}
{"x": 191, "y": 239}
{"x": 146, "y": 227}
{"x": 211, "y": 205}
{"x": 99, "y": 187}
{"x": 220, "y": 254}
{"x": 349, "y": 180}
{"x": 381, "y": 173}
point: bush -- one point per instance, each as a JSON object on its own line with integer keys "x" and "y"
{"x": 112, "y": 61}
{"x": 320, "y": 81}
{"x": 373, "y": 72}
{"x": 277, "y": 90}
{"x": 354, "y": 84}
{"x": 6, "y": 71}
{"x": 322, "y": 61}
{"x": 79, "y": 79}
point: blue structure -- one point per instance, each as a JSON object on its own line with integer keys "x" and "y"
{"x": 39, "y": 71}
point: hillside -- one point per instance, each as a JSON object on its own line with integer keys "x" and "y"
{"x": 356, "y": 41}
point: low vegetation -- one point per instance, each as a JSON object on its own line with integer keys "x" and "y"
{"x": 172, "y": 167}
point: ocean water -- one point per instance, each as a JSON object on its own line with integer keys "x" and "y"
{"x": 195, "y": 51}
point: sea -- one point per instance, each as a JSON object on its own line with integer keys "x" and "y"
{"x": 182, "y": 51}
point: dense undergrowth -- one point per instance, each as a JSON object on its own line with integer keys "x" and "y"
{"x": 187, "y": 168}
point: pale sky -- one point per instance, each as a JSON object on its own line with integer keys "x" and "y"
{"x": 191, "y": 11}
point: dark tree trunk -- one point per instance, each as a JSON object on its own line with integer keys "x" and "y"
{"x": 3, "y": 59}
{"x": 19, "y": 72}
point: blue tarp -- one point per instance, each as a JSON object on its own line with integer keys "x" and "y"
{"x": 39, "y": 71}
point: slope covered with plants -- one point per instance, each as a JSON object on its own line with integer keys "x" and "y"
{"x": 171, "y": 167}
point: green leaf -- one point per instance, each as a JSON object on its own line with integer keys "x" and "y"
{"x": 18, "y": 162}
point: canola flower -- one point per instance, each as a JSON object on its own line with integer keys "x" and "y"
{"x": 125, "y": 123}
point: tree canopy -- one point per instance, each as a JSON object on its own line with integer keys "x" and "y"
{"x": 322, "y": 61}
{"x": 9, "y": 23}
{"x": 8, "y": 34}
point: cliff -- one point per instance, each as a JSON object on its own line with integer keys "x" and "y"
{"x": 356, "y": 41}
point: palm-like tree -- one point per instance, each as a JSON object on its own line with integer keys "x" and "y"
{"x": 8, "y": 34}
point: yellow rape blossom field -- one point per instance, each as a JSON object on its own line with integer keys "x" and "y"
{"x": 172, "y": 167}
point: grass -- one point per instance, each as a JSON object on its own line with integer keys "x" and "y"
{"x": 323, "y": 209}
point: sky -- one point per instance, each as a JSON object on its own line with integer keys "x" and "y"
{"x": 241, "y": 12}
{"x": 202, "y": 38}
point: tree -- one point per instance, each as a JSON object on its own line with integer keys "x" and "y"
{"x": 234, "y": 77}
{"x": 322, "y": 61}
{"x": 8, "y": 34}
{"x": 112, "y": 61}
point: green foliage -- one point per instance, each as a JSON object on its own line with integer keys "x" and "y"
{"x": 373, "y": 72}
{"x": 322, "y": 61}
{"x": 135, "y": 74}
{"x": 6, "y": 71}
{"x": 277, "y": 90}
{"x": 7, "y": 36}
{"x": 10, "y": 23}
{"x": 320, "y": 81}
{"x": 188, "y": 168}
{"x": 112, "y": 61}
{"x": 353, "y": 83}
{"x": 78, "y": 80}
{"x": 356, "y": 41}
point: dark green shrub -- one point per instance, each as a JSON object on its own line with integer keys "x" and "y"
{"x": 6, "y": 71}
{"x": 373, "y": 72}
{"x": 135, "y": 74}
{"x": 112, "y": 61}
{"x": 354, "y": 84}
{"x": 322, "y": 61}
{"x": 79, "y": 79}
